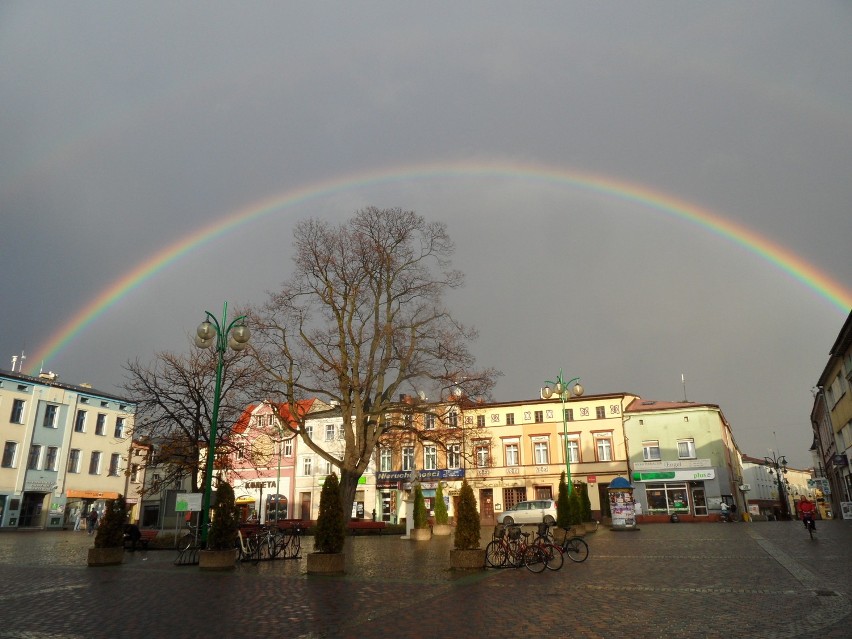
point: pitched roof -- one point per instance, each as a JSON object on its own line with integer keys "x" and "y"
{"x": 283, "y": 410}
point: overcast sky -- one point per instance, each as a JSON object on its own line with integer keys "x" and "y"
{"x": 127, "y": 127}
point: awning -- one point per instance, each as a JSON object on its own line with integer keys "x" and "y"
{"x": 91, "y": 494}
{"x": 245, "y": 499}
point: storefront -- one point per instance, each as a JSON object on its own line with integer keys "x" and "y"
{"x": 676, "y": 492}
{"x": 394, "y": 487}
{"x": 80, "y": 502}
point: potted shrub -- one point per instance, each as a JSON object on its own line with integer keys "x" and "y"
{"x": 442, "y": 526}
{"x": 563, "y": 518}
{"x": 467, "y": 553}
{"x": 220, "y": 553}
{"x": 330, "y": 532}
{"x": 109, "y": 539}
{"x": 421, "y": 530}
{"x": 575, "y": 512}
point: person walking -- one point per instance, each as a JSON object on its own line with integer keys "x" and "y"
{"x": 724, "y": 507}
{"x": 77, "y": 518}
{"x": 92, "y": 521}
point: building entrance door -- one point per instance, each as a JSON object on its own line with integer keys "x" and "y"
{"x": 31, "y": 510}
{"x": 699, "y": 502}
{"x": 486, "y": 505}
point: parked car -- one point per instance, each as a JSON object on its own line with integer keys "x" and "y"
{"x": 530, "y": 512}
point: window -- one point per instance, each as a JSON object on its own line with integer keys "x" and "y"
{"x": 510, "y": 419}
{"x": 430, "y": 457}
{"x": 50, "y": 415}
{"x": 408, "y": 457}
{"x": 539, "y": 416}
{"x": 483, "y": 457}
{"x": 135, "y": 473}
{"x": 603, "y": 445}
{"x": 52, "y": 458}
{"x": 511, "y": 452}
{"x": 10, "y": 453}
{"x": 480, "y": 421}
{"x": 307, "y": 465}
{"x": 329, "y": 432}
{"x": 686, "y": 449}
{"x": 100, "y": 425}
{"x": 453, "y": 419}
{"x": 408, "y": 420}
{"x": 119, "y": 427}
{"x": 34, "y": 458}
{"x": 540, "y": 451}
{"x": 569, "y": 414}
{"x": 667, "y": 498}
{"x": 327, "y": 468}
{"x": 651, "y": 450}
{"x": 574, "y": 451}
{"x": 80, "y": 422}
{"x": 429, "y": 421}
{"x": 17, "y": 412}
{"x": 454, "y": 456}
{"x": 74, "y": 461}
{"x": 309, "y": 432}
{"x": 341, "y": 434}
{"x": 95, "y": 463}
{"x": 114, "y": 464}
{"x": 600, "y": 412}
{"x": 385, "y": 460}
{"x": 288, "y": 447}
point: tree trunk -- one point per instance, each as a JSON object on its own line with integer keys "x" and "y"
{"x": 348, "y": 486}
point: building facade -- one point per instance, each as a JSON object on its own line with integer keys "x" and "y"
{"x": 65, "y": 450}
{"x": 683, "y": 458}
{"x": 831, "y": 420}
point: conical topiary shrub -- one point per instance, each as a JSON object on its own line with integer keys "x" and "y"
{"x": 575, "y": 509}
{"x": 467, "y": 553}
{"x": 111, "y": 527}
{"x": 109, "y": 540}
{"x": 585, "y": 502}
{"x": 330, "y": 532}
{"x": 442, "y": 526}
{"x": 226, "y": 519}
{"x": 421, "y": 520}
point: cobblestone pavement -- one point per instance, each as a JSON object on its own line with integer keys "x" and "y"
{"x": 759, "y": 580}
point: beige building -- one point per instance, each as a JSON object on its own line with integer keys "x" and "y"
{"x": 65, "y": 450}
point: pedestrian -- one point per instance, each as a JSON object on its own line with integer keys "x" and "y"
{"x": 724, "y": 508}
{"x": 77, "y": 519}
{"x": 733, "y": 510}
{"x": 807, "y": 508}
{"x": 92, "y": 521}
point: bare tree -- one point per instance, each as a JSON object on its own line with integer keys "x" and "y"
{"x": 361, "y": 323}
{"x": 174, "y": 408}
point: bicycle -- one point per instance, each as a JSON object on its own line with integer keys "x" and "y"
{"x": 248, "y": 547}
{"x": 553, "y": 553}
{"x": 575, "y": 547}
{"x": 809, "y": 524}
{"x": 289, "y": 541}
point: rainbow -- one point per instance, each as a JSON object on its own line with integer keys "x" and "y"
{"x": 784, "y": 259}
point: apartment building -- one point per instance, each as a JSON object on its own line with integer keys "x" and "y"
{"x": 683, "y": 458}
{"x": 65, "y": 450}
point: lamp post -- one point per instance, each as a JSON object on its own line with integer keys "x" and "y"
{"x": 276, "y": 417}
{"x": 561, "y": 387}
{"x": 778, "y": 466}
{"x": 213, "y": 333}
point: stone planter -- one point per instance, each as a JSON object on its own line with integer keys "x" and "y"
{"x": 442, "y": 530}
{"x": 467, "y": 559}
{"x": 105, "y": 556}
{"x": 590, "y": 526}
{"x": 421, "y": 534}
{"x": 326, "y": 563}
{"x": 217, "y": 559}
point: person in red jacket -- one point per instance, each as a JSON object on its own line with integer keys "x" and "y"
{"x": 806, "y": 508}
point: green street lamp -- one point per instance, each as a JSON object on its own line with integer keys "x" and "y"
{"x": 276, "y": 417}
{"x": 211, "y": 333}
{"x": 779, "y": 464}
{"x": 564, "y": 390}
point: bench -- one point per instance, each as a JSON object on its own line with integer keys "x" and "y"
{"x": 146, "y": 536}
{"x": 364, "y": 526}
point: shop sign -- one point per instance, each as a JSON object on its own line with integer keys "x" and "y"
{"x": 592, "y": 479}
{"x": 673, "y": 464}
{"x": 259, "y": 484}
{"x": 683, "y": 475}
{"x": 819, "y": 483}
{"x": 422, "y": 475}
{"x": 39, "y": 485}
{"x": 188, "y": 502}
